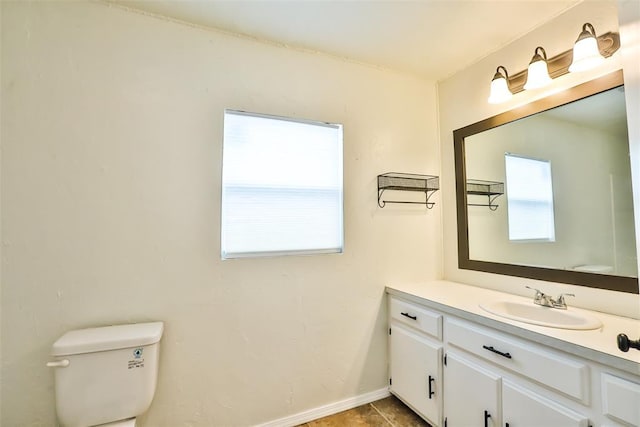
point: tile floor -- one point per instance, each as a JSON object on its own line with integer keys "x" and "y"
{"x": 387, "y": 412}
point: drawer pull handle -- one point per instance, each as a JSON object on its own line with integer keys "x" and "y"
{"x": 490, "y": 348}
{"x": 409, "y": 316}
{"x": 487, "y": 415}
{"x": 431, "y": 392}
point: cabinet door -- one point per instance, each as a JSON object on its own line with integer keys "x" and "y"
{"x": 524, "y": 408}
{"x": 416, "y": 372}
{"x": 471, "y": 394}
{"x": 620, "y": 400}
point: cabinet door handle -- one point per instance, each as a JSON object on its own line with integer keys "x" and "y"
{"x": 624, "y": 343}
{"x": 487, "y": 415}
{"x": 409, "y": 316}
{"x": 431, "y": 392}
{"x": 490, "y": 348}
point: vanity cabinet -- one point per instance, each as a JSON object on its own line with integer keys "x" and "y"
{"x": 415, "y": 354}
{"x": 456, "y": 372}
{"x": 475, "y": 396}
{"x": 544, "y": 366}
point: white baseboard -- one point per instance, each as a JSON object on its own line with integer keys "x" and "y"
{"x": 330, "y": 409}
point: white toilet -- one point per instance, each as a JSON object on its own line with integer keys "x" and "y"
{"x": 106, "y": 376}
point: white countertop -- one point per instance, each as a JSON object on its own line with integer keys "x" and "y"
{"x": 599, "y": 345}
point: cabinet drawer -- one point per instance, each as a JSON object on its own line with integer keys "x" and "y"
{"x": 620, "y": 399}
{"x": 421, "y": 318}
{"x": 546, "y": 367}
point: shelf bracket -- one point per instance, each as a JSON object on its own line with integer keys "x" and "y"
{"x": 492, "y": 207}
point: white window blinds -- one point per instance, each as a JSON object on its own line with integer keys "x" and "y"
{"x": 281, "y": 186}
{"x": 529, "y": 198}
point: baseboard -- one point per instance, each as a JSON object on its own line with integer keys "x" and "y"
{"x": 330, "y": 409}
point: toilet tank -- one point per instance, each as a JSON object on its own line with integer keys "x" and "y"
{"x": 105, "y": 374}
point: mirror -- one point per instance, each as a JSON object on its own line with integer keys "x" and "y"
{"x": 544, "y": 190}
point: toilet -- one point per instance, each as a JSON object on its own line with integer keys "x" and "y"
{"x": 106, "y": 376}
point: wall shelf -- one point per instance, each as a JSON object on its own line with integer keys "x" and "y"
{"x": 427, "y": 184}
{"x": 490, "y": 189}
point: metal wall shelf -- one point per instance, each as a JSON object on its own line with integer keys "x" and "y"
{"x": 427, "y": 184}
{"x": 491, "y": 189}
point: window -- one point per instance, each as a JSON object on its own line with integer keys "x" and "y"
{"x": 529, "y": 198}
{"x": 281, "y": 186}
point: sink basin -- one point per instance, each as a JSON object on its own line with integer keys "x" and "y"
{"x": 543, "y": 316}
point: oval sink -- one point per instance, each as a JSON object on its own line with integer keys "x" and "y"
{"x": 543, "y": 316}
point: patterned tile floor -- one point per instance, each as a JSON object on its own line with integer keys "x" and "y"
{"x": 387, "y": 412}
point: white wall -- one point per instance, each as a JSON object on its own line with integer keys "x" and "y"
{"x": 629, "y": 18}
{"x": 1, "y": 239}
{"x": 463, "y": 100}
{"x": 111, "y": 150}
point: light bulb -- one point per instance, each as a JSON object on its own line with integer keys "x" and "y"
{"x": 538, "y": 72}
{"x": 586, "y": 54}
{"x": 499, "y": 91}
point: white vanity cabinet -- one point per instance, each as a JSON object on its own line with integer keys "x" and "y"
{"x": 459, "y": 369}
{"x": 492, "y": 374}
{"x": 477, "y": 396}
{"x": 500, "y": 373}
{"x": 415, "y": 355}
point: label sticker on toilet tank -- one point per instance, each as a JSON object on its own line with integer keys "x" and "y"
{"x": 138, "y": 361}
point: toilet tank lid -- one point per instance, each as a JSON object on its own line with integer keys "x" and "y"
{"x": 107, "y": 338}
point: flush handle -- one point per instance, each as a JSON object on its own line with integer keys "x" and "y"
{"x": 58, "y": 364}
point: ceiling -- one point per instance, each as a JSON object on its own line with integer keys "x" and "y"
{"x": 605, "y": 111}
{"x": 430, "y": 38}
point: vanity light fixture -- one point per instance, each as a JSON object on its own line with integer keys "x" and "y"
{"x": 500, "y": 87}
{"x": 586, "y": 54}
{"x": 542, "y": 70}
{"x": 538, "y": 71}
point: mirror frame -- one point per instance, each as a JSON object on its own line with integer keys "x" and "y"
{"x": 592, "y": 280}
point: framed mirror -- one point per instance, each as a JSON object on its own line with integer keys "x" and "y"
{"x": 544, "y": 191}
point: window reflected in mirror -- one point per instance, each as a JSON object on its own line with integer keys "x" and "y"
{"x": 529, "y": 199}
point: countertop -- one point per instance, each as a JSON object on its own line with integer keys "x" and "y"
{"x": 460, "y": 300}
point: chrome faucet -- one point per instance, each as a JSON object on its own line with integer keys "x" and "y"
{"x": 545, "y": 300}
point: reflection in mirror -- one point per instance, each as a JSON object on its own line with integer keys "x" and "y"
{"x": 567, "y": 210}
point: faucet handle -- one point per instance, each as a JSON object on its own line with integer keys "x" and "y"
{"x": 540, "y": 297}
{"x": 561, "y": 298}
{"x": 534, "y": 289}
{"x": 539, "y": 293}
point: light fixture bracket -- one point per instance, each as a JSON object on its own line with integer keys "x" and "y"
{"x": 498, "y": 75}
{"x": 537, "y": 57}
{"x": 587, "y": 32}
